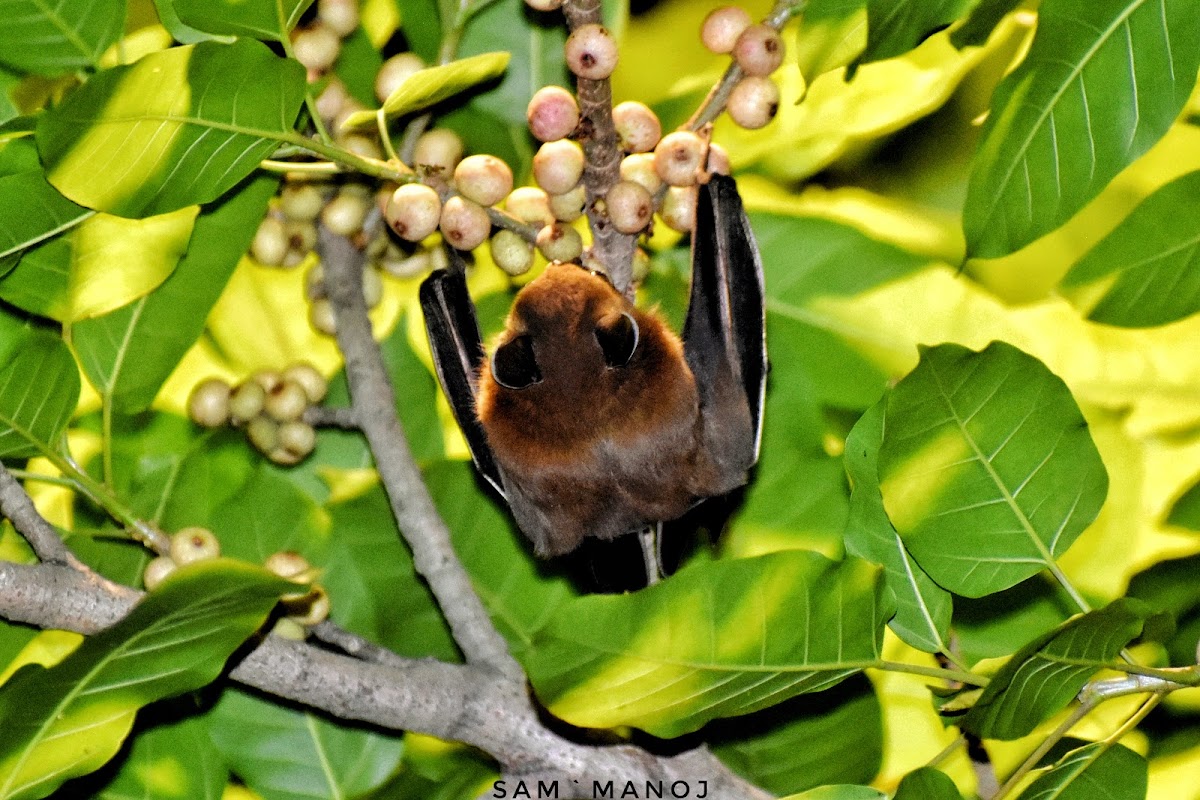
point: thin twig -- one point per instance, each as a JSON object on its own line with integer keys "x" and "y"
{"x": 374, "y": 402}
{"x": 354, "y": 645}
{"x": 16, "y": 504}
{"x": 324, "y": 417}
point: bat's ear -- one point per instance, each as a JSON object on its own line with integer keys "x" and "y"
{"x": 618, "y": 338}
{"x": 514, "y": 365}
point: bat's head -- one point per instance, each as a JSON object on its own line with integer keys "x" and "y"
{"x": 574, "y": 344}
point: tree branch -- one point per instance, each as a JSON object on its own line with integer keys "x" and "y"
{"x": 43, "y": 539}
{"x": 469, "y": 704}
{"x": 374, "y": 404}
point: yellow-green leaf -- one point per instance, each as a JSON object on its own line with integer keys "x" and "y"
{"x": 103, "y": 264}
{"x": 433, "y": 85}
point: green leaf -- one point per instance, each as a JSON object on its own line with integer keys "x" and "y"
{"x": 63, "y": 37}
{"x": 416, "y": 394}
{"x": 805, "y": 261}
{"x": 1186, "y": 511}
{"x": 432, "y": 85}
{"x": 927, "y": 783}
{"x": 171, "y": 761}
{"x": 38, "y": 391}
{"x": 32, "y": 211}
{"x": 260, "y": 19}
{"x": 128, "y": 353}
{"x": 185, "y": 34}
{"x": 717, "y": 639}
{"x": 176, "y": 128}
{"x": 831, "y": 34}
{"x": 1099, "y": 771}
{"x": 1103, "y": 81}
{"x": 102, "y": 264}
{"x": 422, "y": 26}
{"x": 923, "y": 608}
{"x": 839, "y": 793}
{"x": 982, "y": 20}
{"x": 285, "y": 754}
{"x": 987, "y": 468}
{"x": 896, "y": 26}
{"x": 1045, "y": 675}
{"x": 1147, "y": 270}
{"x": 375, "y": 590}
{"x": 521, "y": 596}
{"x": 268, "y": 514}
{"x": 998, "y": 625}
{"x": 832, "y": 737}
{"x": 70, "y": 719}
{"x": 433, "y": 770}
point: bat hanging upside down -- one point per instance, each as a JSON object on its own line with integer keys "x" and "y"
{"x": 591, "y": 417}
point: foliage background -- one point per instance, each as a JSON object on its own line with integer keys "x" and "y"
{"x": 864, "y": 264}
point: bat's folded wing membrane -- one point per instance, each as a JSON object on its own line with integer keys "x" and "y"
{"x": 724, "y": 333}
{"x": 457, "y": 348}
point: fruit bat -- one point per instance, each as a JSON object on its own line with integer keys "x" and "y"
{"x": 591, "y": 417}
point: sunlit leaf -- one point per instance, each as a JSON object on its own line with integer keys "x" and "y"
{"x": 835, "y": 736}
{"x": 70, "y": 719}
{"x": 288, "y": 754}
{"x": 432, "y": 85}
{"x": 32, "y": 211}
{"x": 102, "y": 264}
{"x": 718, "y": 639}
{"x": 39, "y": 387}
{"x": 176, "y": 128}
{"x": 1186, "y": 511}
{"x": 923, "y": 608}
{"x": 987, "y": 468}
{"x": 261, "y": 19}
{"x": 830, "y": 35}
{"x": 927, "y": 783}
{"x": 129, "y": 352}
{"x": 1044, "y": 676}
{"x": 182, "y": 33}
{"x": 1098, "y": 771}
{"x": 1147, "y": 271}
{"x": 842, "y": 792}
{"x": 1103, "y": 81}
{"x": 52, "y": 39}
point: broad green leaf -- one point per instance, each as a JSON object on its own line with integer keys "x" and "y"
{"x": 832, "y": 737}
{"x": 521, "y": 596}
{"x": 70, "y": 719}
{"x": 129, "y": 353}
{"x": 718, "y": 639}
{"x": 432, "y": 85}
{"x": 32, "y": 211}
{"x": 923, "y": 608}
{"x": 357, "y": 64}
{"x": 176, "y": 128}
{"x": 421, "y": 22}
{"x": 39, "y": 387}
{"x": 260, "y": 19}
{"x": 1147, "y": 270}
{"x": 171, "y": 761}
{"x": 896, "y": 26}
{"x": 1098, "y": 771}
{"x": 374, "y": 588}
{"x": 102, "y": 264}
{"x": 998, "y": 625}
{"x": 9, "y": 80}
{"x": 1103, "y": 81}
{"x": 805, "y": 261}
{"x": 982, "y": 20}
{"x": 182, "y": 33}
{"x": 927, "y": 783}
{"x": 268, "y": 514}
{"x": 1045, "y": 675}
{"x": 1171, "y": 586}
{"x": 286, "y": 754}
{"x": 50, "y": 39}
{"x": 535, "y": 43}
{"x": 987, "y": 468}
{"x": 1186, "y": 511}
{"x": 842, "y": 792}
{"x": 432, "y": 770}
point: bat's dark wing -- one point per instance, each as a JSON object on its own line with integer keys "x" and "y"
{"x": 724, "y": 333}
{"x": 457, "y": 349}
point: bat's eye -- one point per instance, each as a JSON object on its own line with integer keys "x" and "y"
{"x": 514, "y": 365}
{"x": 618, "y": 339}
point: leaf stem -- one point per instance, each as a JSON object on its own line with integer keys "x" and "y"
{"x": 314, "y": 167}
{"x": 1031, "y": 761}
{"x": 1068, "y": 587}
{"x": 947, "y": 751}
{"x": 961, "y": 676}
{"x": 368, "y": 166}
